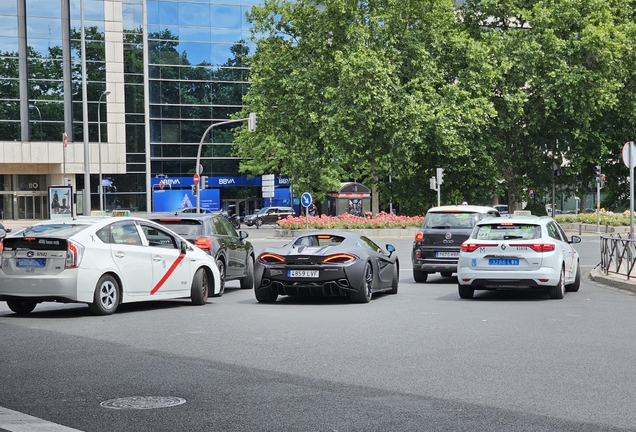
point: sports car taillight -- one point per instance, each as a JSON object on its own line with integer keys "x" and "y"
{"x": 339, "y": 258}
{"x": 74, "y": 253}
{"x": 419, "y": 236}
{"x": 270, "y": 258}
{"x": 538, "y": 247}
{"x": 1, "y": 249}
{"x": 203, "y": 243}
{"x": 472, "y": 247}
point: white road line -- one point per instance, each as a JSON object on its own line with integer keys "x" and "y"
{"x": 15, "y": 421}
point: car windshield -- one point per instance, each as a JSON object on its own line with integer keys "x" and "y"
{"x": 184, "y": 227}
{"x": 508, "y": 231}
{"x": 263, "y": 210}
{"x": 447, "y": 220}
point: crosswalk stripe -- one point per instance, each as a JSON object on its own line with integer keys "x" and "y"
{"x": 15, "y": 421}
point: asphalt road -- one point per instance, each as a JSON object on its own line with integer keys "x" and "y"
{"x": 421, "y": 360}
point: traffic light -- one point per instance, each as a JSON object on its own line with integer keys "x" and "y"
{"x": 204, "y": 182}
{"x": 597, "y": 173}
{"x": 440, "y": 176}
{"x": 194, "y": 190}
{"x": 433, "y": 184}
{"x": 603, "y": 180}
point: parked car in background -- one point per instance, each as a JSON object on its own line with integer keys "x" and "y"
{"x": 250, "y": 218}
{"x": 214, "y": 234}
{"x": 437, "y": 243}
{"x": 501, "y": 208}
{"x": 327, "y": 263}
{"x": 270, "y": 215}
{"x": 519, "y": 252}
{"x": 102, "y": 262}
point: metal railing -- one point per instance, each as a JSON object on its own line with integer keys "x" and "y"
{"x": 618, "y": 255}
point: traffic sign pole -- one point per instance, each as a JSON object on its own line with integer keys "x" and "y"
{"x": 306, "y": 200}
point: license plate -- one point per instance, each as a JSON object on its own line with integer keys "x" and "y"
{"x": 447, "y": 254}
{"x": 302, "y": 273}
{"x": 31, "y": 262}
{"x": 503, "y": 261}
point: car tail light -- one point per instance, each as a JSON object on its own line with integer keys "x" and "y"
{"x": 472, "y": 247}
{"x": 270, "y": 258}
{"x": 203, "y": 243}
{"x": 419, "y": 236}
{"x": 1, "y": 249}
{"x": 538, "y": 247}
{"x": 74, "y": 253}
{"x": 339, "y": 258}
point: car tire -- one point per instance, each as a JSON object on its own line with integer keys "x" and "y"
{"x": 258, "y": 222}
{"x": 21, "y": 307}
{"x": 396, "y": 279}
{"x": 558, "y": 291}
{"x": 106, "y": 297}
{"x": 465, "y": 291}
{"x": 446, "y": 274}
{"x": 220, "y": 264}
{"x": 365, "y": 290}
{"x": 248, "y": 281}
{"x": 574, "y": 287}
{"x": 420, "y": 276}
{"x": 265, "y": 295}
{"x": 200, "y": 288}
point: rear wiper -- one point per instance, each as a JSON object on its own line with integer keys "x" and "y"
{"x": 510, "y": 237}
{"x": 441, "y": 227}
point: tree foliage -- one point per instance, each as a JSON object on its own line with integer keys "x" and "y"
{"x": 498, "y": 93}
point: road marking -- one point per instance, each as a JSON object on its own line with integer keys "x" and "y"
{"x": 15, "y": 421}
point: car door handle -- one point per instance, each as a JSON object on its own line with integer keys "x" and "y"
{"x": 156, "y": 258}
{"x": 120, "y": 254}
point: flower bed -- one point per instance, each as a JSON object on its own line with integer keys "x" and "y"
{"x": 381, "y": 220}
{"x": 606, "y": 217}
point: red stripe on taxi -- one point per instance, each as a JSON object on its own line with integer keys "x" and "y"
{"x": 168, "y": 273}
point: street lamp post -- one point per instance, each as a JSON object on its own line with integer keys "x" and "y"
{"x": 35, "y": 107}
{"x": 99, "y": 148}
{"x": 252, "y": 127}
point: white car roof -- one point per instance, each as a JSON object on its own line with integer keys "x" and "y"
{"x": 462, "y": 208}
{"x": 539, "y": 220}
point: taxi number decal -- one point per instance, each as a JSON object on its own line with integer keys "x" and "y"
{"x": 168, "y": 273}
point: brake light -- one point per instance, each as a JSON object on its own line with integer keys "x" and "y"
{"x": 203, "y": 243}
{"x": 271, "y": 258}
{"x": 171, "y": 219}
{"x": 340, "y": 258}
{"x": 1, "y": 249}
{"x": 538, "y": 247}
{"x": 74, "y": 253}
{"x": 472, "y": 247}
{"x": 419, "y": 236}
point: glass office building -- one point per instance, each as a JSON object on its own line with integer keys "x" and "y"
{"x": 157, "y": 74}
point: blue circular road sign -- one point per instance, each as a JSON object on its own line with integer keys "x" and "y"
{"x": 305, "y": 199}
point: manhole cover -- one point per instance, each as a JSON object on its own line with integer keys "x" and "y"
{"x": 143, "y": 402}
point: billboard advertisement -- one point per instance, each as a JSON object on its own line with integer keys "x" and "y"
{"x": 169, "y": 200}
{"x": 60, "y": 201}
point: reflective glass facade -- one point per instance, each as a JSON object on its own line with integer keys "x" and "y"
{"x": 183, "y": 68}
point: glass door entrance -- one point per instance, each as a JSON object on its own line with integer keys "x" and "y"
{"x": 32, "y": 207}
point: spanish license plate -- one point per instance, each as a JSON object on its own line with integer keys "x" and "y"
{"x": 31, "y": 262}
{"x": 447, "y": 254}
{"x": 302, "y": 273}
{"x": 503, "y": 261}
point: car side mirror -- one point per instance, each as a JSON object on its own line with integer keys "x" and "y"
{"x": 390, "y": 249}
{"x": 243, "y": 234}
{"x": 184, "y": 247}
{"x": 575, "y": 239}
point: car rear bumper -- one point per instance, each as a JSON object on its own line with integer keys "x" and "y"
{"x": 62, "y": 286}
{"x": 543, "y": 277}
{"x": 434, "y": 265}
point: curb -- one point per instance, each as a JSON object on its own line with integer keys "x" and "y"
{"x": 619, "y": 282}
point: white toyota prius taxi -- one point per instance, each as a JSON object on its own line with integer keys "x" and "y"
{"x": 102, "y": 262}
{"x": 520, "y": 251}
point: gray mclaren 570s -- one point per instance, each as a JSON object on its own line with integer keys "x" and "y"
{"x": 326, "y": 263}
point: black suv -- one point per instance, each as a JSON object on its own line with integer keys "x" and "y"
{"x": 214, "y": 234}
{"x": 269, "y": 215}
{"x": 437, "y": 243}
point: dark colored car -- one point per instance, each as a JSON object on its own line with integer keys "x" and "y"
{"x": 215, "y": 234}
{"x": 437, "y": 243}
{"x": 326, "y": 263}
{"x": 269, "y": 215}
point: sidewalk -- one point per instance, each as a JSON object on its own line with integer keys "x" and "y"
{"x": 619, "y": 282}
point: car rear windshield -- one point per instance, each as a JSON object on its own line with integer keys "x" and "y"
{"x": 319, "y": 240}
{"x": 448, "y": 220}
{"x": 60, "y": 230}
{"x": 508, "y": 231}
{"x": 184, "y": 227}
